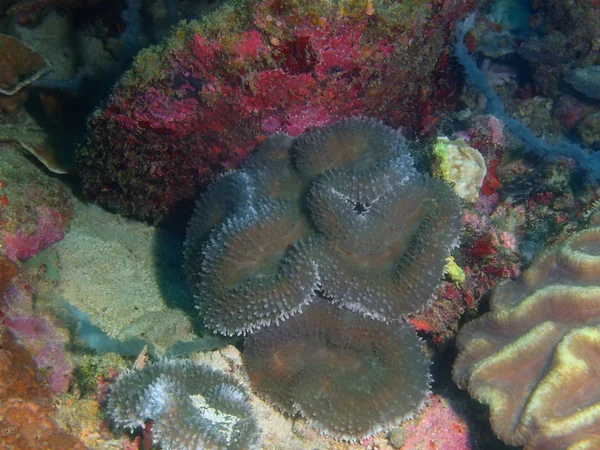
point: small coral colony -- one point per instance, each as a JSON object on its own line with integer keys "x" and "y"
{"x": 330, "y": 241}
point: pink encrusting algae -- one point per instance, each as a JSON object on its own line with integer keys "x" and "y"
{"x": 199, "y": 104}
{"x": 44, "y": 340}
{"x": 24, "y": 243}
{"x": 439, "y": 427}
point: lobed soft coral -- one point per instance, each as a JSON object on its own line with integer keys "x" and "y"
{"x": 535, "y": 356}
{"x": 192, "y": 406}
{"x": 301, "y": 243}
{"x": 340, "y": 209}
{"x": 21, "y": 66}
{"x": 351, "y": 377}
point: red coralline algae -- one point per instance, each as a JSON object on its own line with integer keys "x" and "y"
{"x": 35, "y": 211}
{"x": 43, "y": 339}
{"x": 200, "y": 103}
{"x": 439, "y": 427}
{"x": 26, "y": 409}
{"x": 440, "y": 319}
{"x": 23, "y": 244}
{"x": 487, "y": 135}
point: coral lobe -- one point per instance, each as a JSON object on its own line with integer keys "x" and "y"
{"x": 310, "y": 249}
{"x": 531, "y": 357}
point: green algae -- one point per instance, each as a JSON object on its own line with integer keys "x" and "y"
{"x": 48, "y": 259}
{"x": 89, "y": 369}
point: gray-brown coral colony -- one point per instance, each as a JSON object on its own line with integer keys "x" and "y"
{"x": 338, "y": 216}
{"x": 535, "y": 357}
{"x": 192, "y": 406}
{"x": 349, "y": 376}
{"x": 340, "y": 209}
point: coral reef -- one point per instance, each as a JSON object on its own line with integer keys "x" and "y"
{"x": 586, "y": 80}
{"x": 349, "y": 215}
{"x": 521, "y": 130}
{"x": 562, "y": 40}
{"x": 533, "y": 357}
{"x": 200, "y": 103}
{"x": 589, "y": 130}
{"x": 192, "y": 406}
{"x": 554, "y": 52}
{"x": 349, "y": 376}
{"x": 26, "y": 409}
{"x": 488, "y": 251}
{"x": 34, "y": 213}
{"x": 13, "y": 7}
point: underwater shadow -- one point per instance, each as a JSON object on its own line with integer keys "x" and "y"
{"x": 475, "y": 414}
{"x": 172, "y": 281}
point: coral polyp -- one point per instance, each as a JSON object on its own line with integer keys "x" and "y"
{"x": 340, "y": 209}
{"x": 192, "y": 406}
{"x": 349, "y": 376}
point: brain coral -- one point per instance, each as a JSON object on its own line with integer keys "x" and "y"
{"x": 192, "y": 406}
{"x": 340, "y": 209}
{"x": 349, "y": 376}
{"x": 535, "y": 357}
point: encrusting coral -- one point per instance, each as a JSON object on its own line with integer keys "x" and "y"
{"x": 349, "y": 376}
{"x": 192, "y": 406}
{"x": 460, "y": 165}
{"x": 340, "y": 209}
{"x": 26, "y": 406}
{"x": 200, "y": 102}
{"x": 303, "y": 247}
{"x": 534, "y": 358}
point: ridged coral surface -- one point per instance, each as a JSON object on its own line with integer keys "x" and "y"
{"x": 341, "y": 209}
{"x": 349, "y": 376}
{"x": 535, "y": 357}
{"x": 192, "y": 406}
{"x": 199, "y": 104}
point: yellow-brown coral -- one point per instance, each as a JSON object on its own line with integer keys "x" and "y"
{"x": 460, "y": 165}
{"x": 20, "y": 66}
{"x": 535, "y": 357}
